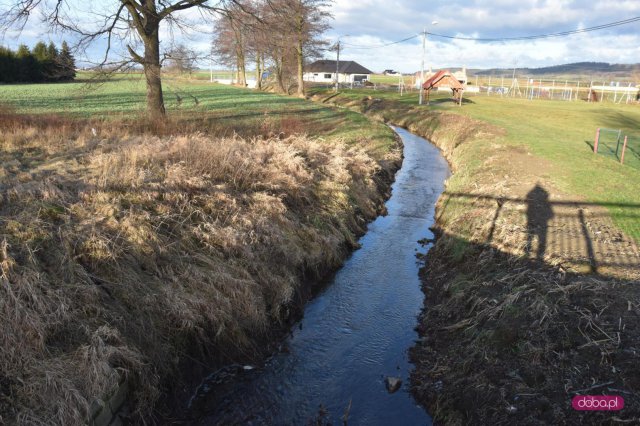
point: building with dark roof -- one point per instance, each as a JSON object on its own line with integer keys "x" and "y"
{"x": 324, "y": 71}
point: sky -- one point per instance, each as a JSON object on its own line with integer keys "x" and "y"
{"x": 376, "y": 22}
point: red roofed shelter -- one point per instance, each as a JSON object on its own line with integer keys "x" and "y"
{"x": 444, "y": 79}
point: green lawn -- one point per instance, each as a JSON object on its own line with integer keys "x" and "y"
{"x": 231, "y": 109}
{"x": 126, "y": 94}
{"x": 389, "y": 79}
{"x": 562, "y": 133}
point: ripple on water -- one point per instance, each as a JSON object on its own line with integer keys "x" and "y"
{"x": 358, "y": 330}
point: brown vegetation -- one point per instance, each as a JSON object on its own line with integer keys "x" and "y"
{"x": 533, "y": 337}
{"x": 122, "y": 253}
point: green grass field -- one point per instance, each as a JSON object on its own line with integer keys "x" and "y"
{"x": 389, "y": 79}
{"x": 126, "y": 94}
{"x": 562, "y": 133}
{"x": 232, "y": 109}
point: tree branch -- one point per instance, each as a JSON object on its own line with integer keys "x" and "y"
{"x": 137, "y": 58}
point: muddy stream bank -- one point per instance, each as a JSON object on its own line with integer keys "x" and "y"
{"x": 355, "y": 333}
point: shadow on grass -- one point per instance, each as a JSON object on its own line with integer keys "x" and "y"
{"x": 616, "y": 120}
{"x": 539, "y": 307}
{"x": 574, "y": 232}
{"x": 448, "y": 100}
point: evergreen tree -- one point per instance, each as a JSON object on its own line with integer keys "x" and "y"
{"x": 67, "y": 63}
{"x": 40, "y": 52}
{"x": 43, "y": 63}
{"x": 23, "y": 51}
{"x": 52, "y": 52}
{"x": 49, "y": 66}
{"x": 27, "y": 67}
{"x": 7, "y": 65}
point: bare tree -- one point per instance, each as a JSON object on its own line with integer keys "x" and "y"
{"x": 276, "y": 42}
{"x": 223, "y": 44}
{"x": 256, "y": 39}
{"x": 308, "y": 21}
{"x": 233, "y": 35}
{"x": 131, "y": 21}
{"x": 298, "y": 26}
{"x": 181, "y": 59}
{"x": 279, "y": 34}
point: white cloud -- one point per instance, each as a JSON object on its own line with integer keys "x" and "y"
{"x": 382, "y": 21}
{"x": 376, "y": 22}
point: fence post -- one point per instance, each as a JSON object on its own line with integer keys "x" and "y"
{"x": 624, "y": 148}
{"x": 595, "y": 144}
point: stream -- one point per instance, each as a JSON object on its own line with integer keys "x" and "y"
{"x": 354, "y": 333}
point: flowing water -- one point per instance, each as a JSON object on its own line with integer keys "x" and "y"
{"x": 354, "y": 333}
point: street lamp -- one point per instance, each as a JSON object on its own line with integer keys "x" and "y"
{"x": 424, "y": 48}
{"x": 338, "y": 60}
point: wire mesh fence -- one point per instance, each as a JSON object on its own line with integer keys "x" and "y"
{"x": 523, "y": 87}
{"x": 613, "y": 143}
{"x": 609, "y": 143}
{"x": 556, "y": 89}
{"x": 631, "y": 154}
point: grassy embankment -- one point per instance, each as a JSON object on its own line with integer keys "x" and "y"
{"x": 136, "y": 251}
{"x": 531, "y": 289}
{"x": 561, "y": 133}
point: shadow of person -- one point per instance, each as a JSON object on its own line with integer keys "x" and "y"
{"x": 539, "y": 213}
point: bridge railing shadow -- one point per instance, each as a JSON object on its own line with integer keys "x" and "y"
{"x": 572, "y": 232}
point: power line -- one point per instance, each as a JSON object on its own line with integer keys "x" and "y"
{"x": 357, "y": 46}
{"x": 529, "y": 37}
{"x": 534, "y": 37}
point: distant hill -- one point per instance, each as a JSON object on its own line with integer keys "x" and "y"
{"x": 583, "y": 69}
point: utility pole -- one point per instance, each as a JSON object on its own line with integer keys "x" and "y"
{"x": 338, "y": 60}
{"x": 211, "y": 69}
{"x": 424, "y": 48}
{"x": 338, "y": 65}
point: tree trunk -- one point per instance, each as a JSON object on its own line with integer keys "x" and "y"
{"x": 300, "y": 58}
{"x": 243, "y": 72}
{"x": 279, "y": 69}
{"x": 300, "y": 55}
{"x": 151, "y": 64}
{"x": 258, "y": 72}
{"x": 240, "y": 55}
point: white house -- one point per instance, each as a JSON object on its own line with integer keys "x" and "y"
{"x": 324, "y": 71}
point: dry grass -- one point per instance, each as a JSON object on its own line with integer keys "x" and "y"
{"x": 121, "y": 253}
{"x": 533, "y": 337}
